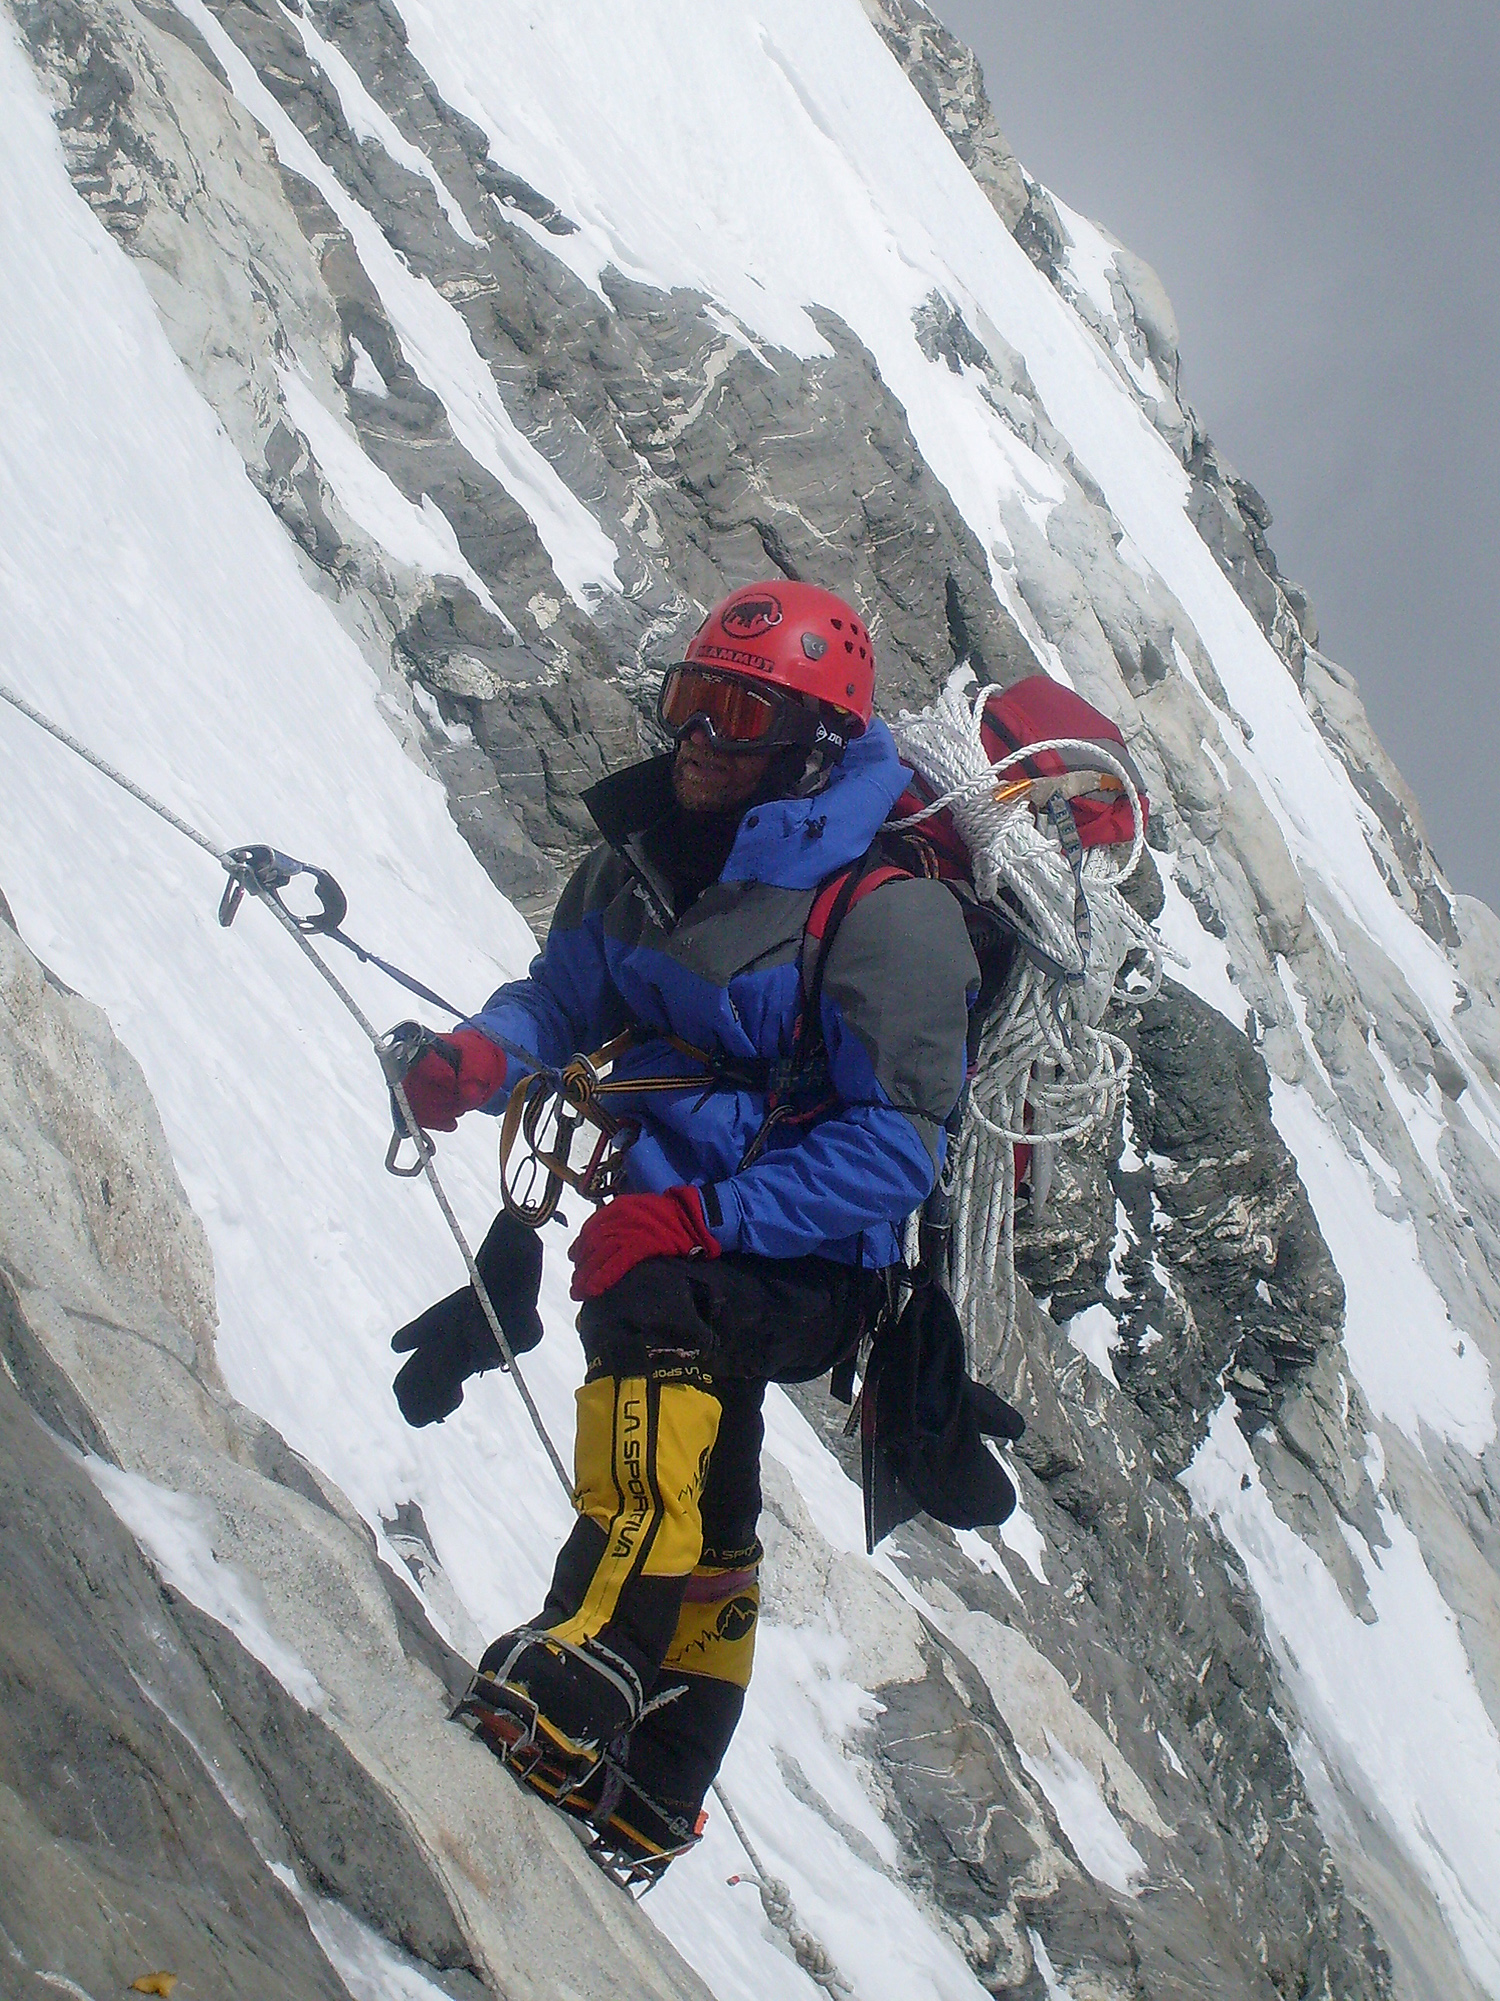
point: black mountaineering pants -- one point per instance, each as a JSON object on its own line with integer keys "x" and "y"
{"x": 663, "y": 1563}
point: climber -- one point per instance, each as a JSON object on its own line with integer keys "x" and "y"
{"x": 760, "y": 1214}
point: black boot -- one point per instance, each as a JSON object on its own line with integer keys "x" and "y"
{"x": 635, "y": 1835}
{"x": 551, "y": 1708}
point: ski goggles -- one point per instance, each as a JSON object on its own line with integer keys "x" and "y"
{"x": 736, "y": 714}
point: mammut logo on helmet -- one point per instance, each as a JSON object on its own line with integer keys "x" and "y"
{"x": 748, "y": 616}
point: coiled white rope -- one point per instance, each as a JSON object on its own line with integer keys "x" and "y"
{"x": 1046, "y": 1072}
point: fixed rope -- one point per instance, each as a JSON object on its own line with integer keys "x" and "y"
{"x": 775, "y": 1896}
{"x": 776, "y": 1902}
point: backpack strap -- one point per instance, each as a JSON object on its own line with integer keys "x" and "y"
{"x": 835, "y": 899}
{"x": 799, "y": 1087}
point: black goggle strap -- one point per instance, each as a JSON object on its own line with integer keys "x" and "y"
{"x": 793, "y": 727}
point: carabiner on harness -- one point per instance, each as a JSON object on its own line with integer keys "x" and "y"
{"x": 562, "y": 1100}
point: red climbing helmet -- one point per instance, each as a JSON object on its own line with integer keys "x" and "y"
{"x": 761, "y": 645}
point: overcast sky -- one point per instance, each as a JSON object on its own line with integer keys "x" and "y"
{"x": 1318, "y": 185}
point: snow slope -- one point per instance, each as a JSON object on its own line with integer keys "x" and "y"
{"x": 157, "y": 611}
{"x": 774, "y": 158}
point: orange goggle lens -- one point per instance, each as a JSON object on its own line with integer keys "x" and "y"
{"x": 732, "y": 708}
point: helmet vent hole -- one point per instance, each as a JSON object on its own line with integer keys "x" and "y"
{"x": 848, "y": 645}
{"x": 837, "y": 624}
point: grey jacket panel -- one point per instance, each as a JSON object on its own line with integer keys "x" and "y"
{"x": 732, "y": 928}
{"x": 901, "y": 972}
{"x": 739, "y": 927}
{"x": 593, "y": 885}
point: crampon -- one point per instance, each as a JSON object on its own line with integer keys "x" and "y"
{"x": 628, "y": 1834}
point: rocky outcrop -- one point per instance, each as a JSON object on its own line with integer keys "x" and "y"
{"x": 707, "y": 460}
{"x": 224, "y": 1713}
{"x": 1135, "y": 326}
{"x": 1140, "y": 1629}
{"x": 110, "y": 1754}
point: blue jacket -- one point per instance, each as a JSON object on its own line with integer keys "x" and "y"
{"x": 728, "y": 976}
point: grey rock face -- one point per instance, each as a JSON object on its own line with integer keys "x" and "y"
{"x": 1404, "y": 857}
{"x": 948, "y": 79}
{"x": 696, "y": 456}
{"x": 111, "y": 1761}
{"x": 1143, "y": 1626}
{"x": 1217, "y": 1204}
{"x": 1233, "y": 520}
{"x": 1227, "y": 511}
{"x": 148, "y": 1763}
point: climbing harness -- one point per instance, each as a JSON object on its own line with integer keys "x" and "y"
{"x": 243, "y": 872}
{"x": 547, "y": 1107}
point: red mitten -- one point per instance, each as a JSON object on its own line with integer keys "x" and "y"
{"x": 461, "y": 1072}
{"x": 619, "y": 1236}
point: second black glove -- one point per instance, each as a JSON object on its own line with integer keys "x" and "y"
{"x": 452, "y": 1340}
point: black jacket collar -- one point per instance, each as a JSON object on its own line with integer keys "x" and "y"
{"x": 628, "y": 802}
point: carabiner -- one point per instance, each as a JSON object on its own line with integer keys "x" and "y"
{"x": 265, "y": 871}
{"x": 425, "y": 1150}
{"x": 399, "y": 1049}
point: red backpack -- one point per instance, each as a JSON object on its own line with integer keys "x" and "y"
{"x": 1097, "y": 807}
{"x": 1038, "y": 710}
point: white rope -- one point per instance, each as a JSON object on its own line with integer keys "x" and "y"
{"x": 774, "y": 1895}
{"x": 1046, "y": 1074}
{"x": 776, "y": 1901}
{"x": 1010, "y": 851}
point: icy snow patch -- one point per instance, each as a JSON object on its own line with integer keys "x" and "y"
{"x": 1057, "y": 1989}
{"x": 1130, "y": 1159}
{"x": 1088, "y": 261}
{"x": 439, "y": 346}
{"x": 1415, "y": 1367}
{"x": 1019, "y": 1534}
{"x": 1392, "y": 1706}
{"x": 1203, "y": 959}
{"x": 1424, "y": 1120}
{"x": 421, "y": 536}
{"x": 370, "y": 1967}
{"x": 367, "y": 378}
{"x": 1099, "y": 1841}
{"x": 1095, "y": 1333}
{"x": 1125, "y": 1237}
{"x": 367, "y": 120}
{"x": 177, "y": 1532}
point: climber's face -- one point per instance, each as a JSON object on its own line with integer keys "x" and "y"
{"x": 706, "y": 780}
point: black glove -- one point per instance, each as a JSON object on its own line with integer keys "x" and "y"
{"x": 452, "y": 1341}
{"x": 925, "y": 1423}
